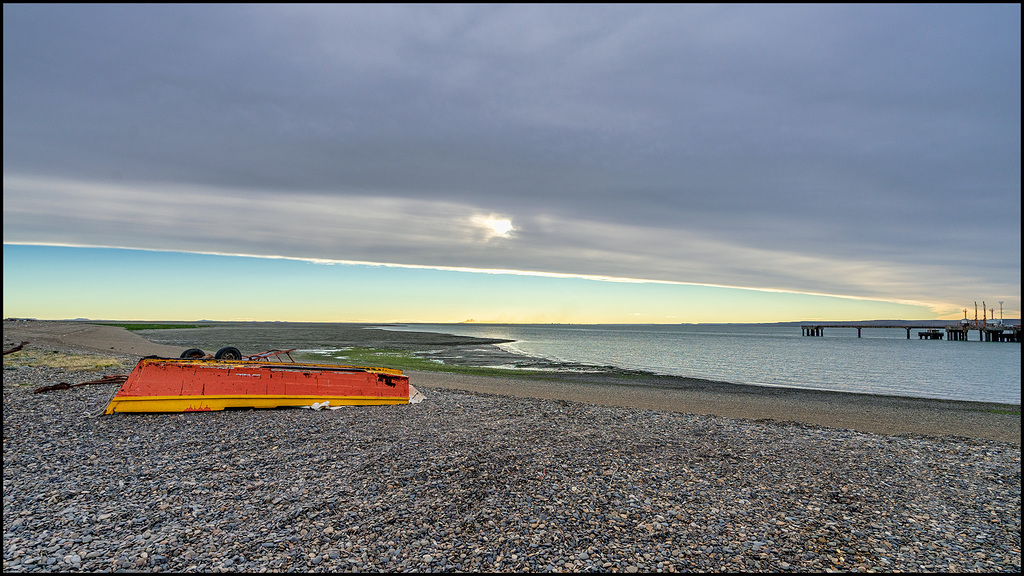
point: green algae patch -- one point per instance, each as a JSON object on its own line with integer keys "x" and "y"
{"x": 405, "y": 360}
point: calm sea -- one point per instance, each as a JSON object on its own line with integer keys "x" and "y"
{"x": 883, "y": 361}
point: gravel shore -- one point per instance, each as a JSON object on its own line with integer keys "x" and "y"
{"x": 481, "y": 482}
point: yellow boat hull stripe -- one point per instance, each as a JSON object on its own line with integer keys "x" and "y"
{"x": 210, "y": 403}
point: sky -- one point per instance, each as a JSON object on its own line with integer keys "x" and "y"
{"x": 609, "y": 163}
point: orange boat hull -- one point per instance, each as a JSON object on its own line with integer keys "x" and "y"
{"x": 184, "y": 385}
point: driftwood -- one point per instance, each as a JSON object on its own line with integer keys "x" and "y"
{"x": 109, "y": 379}
{"x": 15, "y": 349}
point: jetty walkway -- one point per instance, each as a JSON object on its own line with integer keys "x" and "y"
{"x": 956, "y": 332}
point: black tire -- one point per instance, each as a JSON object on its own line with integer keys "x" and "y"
{"x": 192, "y": 353}
{"x": 228, "y": 353}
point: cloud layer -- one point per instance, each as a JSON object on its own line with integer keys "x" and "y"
{"x": 864, "y": 151}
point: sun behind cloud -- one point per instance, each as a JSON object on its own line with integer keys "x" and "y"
{"x": 501, "y": 226}
{"x": 494, "y": 226}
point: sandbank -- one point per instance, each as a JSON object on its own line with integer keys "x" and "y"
{"x": 85, "y": 337}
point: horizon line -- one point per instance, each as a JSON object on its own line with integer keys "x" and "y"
{"x": 852, "y": 323}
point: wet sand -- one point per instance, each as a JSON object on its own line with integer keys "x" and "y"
{"x": 864, "y": 413}
{"x": 861, "y": 412}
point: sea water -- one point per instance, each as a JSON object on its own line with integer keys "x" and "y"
{"x": 882, "y": 361}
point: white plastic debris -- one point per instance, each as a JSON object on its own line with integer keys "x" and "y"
{"x": 415, "y": 396}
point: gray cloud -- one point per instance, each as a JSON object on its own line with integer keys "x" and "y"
{"x": 879, "y": 138}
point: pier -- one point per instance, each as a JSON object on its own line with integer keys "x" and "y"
{"x": 985, "y": 333}
{"x": 952, "y": 332}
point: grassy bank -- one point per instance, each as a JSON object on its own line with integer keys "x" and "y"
{"x": 54, "y": 359}
{"x": 134, "y": 327}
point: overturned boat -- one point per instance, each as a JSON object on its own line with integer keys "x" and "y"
{"x": 195, "y": 383}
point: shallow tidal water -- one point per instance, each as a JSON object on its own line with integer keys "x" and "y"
{"x": 882, "y": 362}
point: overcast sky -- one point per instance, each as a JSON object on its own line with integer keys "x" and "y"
{"x": 866, "y": 151}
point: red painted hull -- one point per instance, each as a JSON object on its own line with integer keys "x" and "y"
{"x": 182, "y": 385}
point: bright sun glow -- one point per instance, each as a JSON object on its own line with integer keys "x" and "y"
{"x": 501, "y": 226}
{"x": 495, "y": 226}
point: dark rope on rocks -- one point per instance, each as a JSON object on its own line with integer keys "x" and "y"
{"x": 109, "y": 379}
{"x": 15, "y": 349}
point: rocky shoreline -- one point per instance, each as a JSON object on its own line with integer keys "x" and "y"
{"x": 482, "y": 482}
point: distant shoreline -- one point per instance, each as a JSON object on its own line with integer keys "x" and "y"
{"x": 850, "y": 323}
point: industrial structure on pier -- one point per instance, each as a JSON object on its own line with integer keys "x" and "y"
{"x": 989, "y": 330}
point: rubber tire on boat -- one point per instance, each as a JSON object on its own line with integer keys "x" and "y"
{"x": 192, "y": 353}
{"x": 228, "y": 353}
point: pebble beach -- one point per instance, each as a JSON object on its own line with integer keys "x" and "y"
{"x": 473, "y": 481}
